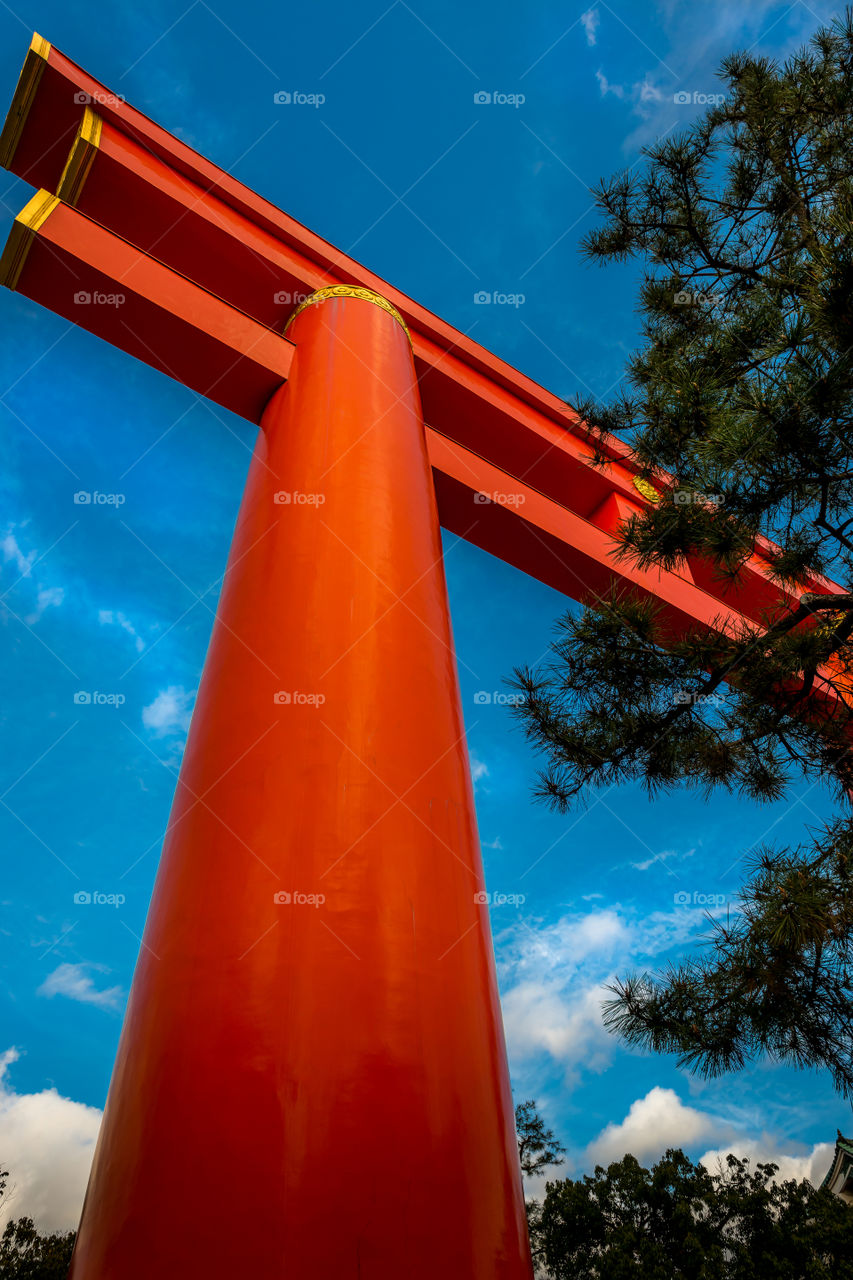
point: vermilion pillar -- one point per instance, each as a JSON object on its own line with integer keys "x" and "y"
{"x": 311, "y": 1079}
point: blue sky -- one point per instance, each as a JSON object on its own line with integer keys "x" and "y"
{"x": 446, "y": 196}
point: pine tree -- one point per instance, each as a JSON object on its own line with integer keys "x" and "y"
{"x": 739, "y": 408}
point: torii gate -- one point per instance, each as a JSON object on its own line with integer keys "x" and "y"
{"x": 308, "y": 1087}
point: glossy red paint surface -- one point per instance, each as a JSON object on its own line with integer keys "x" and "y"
{"x": 329, "y": 1077}
{"x": 80, "y": 270}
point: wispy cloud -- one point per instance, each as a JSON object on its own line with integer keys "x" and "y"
{"x": 555, "y": 977}
{"x": 114, "y": 618}
{"x": 606, "y": 87}
{"x": 48, "y": 597}
{"x": 170, "y": 712}
{"x": 76, "y": 983}
{"x": 590, "y": 21}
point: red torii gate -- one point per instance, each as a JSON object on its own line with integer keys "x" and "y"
{"x": 307, "y": 1087}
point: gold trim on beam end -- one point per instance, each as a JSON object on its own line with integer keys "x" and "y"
{"x": 648, "y": 490}
{"x": 349, "y": 291}
{"x": 80, "y": 157}
{"x": 25, "y": 228}
{"x": 23, "y": 98}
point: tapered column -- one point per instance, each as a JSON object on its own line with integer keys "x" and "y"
{"x": 311, "y": 1078}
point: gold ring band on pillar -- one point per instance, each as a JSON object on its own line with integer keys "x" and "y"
{"x": 349, "y": 291}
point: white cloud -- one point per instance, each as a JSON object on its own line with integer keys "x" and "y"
{"x": 606, "y": 87}
{"x": 661, "y": 1120}
{"x": 648, "y": 92}
{"x": 554, "y": 979}
{"x": 493, "y": 844}
{"x": 539, "y": 1016}
{"x": 660, "y": 857}
{"x": 811, "y": 1164}
{"x": 654, "y": 1123}
{"x": 170, "y": 711}
{"x": 12, "y": 552}
{"x": 115, "y": 618}
{"x": 479, "y": 769}
{"x": 590, "y": 21}
{"x": 46, "y": 598}
{"x": 46, "y": 1143}
{"x": 23, "y": 562}
{"x": 73, "y": 981}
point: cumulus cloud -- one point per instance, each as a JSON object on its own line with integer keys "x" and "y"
{"x": 47, "y": 1143}
{"x": 654, "y": 1123}
{"x": 169, "y": 713}
{"x": 661, "y": 1120}
{"x": 539, "y": 1016}
{"x": 590, "y": 21}
{"x": 75, "y": 982}
{"x": 812, "y": 1164}
{"x": 115, "y": 618}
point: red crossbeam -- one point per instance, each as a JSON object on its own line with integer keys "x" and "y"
{"x": 66, "y": 132}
